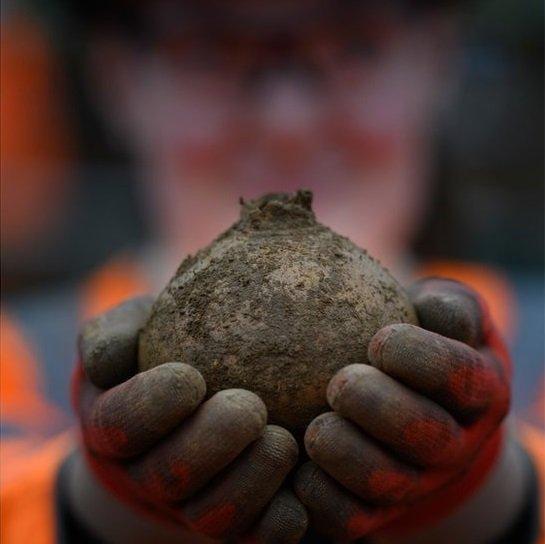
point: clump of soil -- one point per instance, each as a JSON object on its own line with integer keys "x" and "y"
{"x": 277, "y": 304}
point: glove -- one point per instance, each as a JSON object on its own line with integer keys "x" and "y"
{"x": 210, "y": 466}
{"x": 414, "y": 433}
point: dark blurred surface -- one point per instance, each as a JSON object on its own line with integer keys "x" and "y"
{"x": 489, "y": 197}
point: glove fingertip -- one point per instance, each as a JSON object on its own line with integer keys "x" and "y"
{"x": 449, "y": 308}
{"x": 108, "y": 344}
{"x": 285, "y": 520}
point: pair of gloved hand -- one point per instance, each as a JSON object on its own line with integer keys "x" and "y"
{"x": 408, "y": 438}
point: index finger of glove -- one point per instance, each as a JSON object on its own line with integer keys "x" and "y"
{"x": 454, "y": 375}
{"x": 108, "y": 344}
{"x": 449, "y": 308}
{"x": 416, "y": 428}
{"x": 129, "y": 418}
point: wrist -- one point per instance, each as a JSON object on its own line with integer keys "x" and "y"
{"x": 482, "y": 515}
{"x": 112, "y": 520}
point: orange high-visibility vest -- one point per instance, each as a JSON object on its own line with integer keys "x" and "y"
{"x": 29, "y": 467}
{"x": 28, "y": 462}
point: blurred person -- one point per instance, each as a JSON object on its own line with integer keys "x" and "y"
{"x": 220, "y": 101}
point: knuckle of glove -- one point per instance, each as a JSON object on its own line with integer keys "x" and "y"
{"x": 471, "y": 383}
{"x": 430, "y": 441}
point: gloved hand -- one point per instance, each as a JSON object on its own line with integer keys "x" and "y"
{"x": 416, "y": 431}
{"x": 213, "y": 467}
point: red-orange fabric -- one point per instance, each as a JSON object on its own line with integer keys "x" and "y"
{"x": 118, "y": 280}
{"x": 29, "y": 463}
{"x": 28, "y": 474}
{"x": 22, "y": 402}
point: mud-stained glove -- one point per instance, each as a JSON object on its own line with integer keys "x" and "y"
{"x": 211, "y": 466}
{"x": 414, "y": 433}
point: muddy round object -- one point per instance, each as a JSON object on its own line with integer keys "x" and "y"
{"x": 277, "y": 304}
